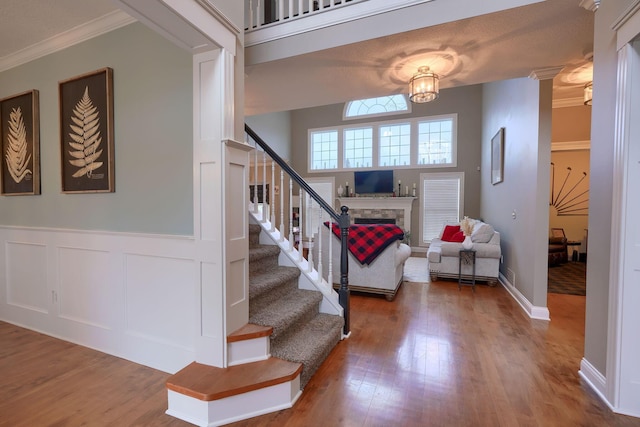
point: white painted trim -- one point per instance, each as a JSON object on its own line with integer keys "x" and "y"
{"x": 627, "y": 26}
{"x": 568, "y": 102}
{"x": 114, "y": 334}
{"x": 102, "y": 25}
{"x": 595, "y": 379}
{"x": 570, "y": 145}
{"x": 535, "y": 312}
{"x": 590, "y": 5}
{"x": 618, "y": 202}
{"x": 545, "y": 73}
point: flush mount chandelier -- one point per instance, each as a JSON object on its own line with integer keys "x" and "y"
{"x": 588, "y": 93}
{"x": 424, "y": 86}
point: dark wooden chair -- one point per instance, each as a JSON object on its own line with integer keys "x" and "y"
{"x": 558, "y": 252}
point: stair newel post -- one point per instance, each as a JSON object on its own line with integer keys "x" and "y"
{"x": 319, "y": 246}
{"x": 290, "y": 214}
{"x": 311, "y": 238}
{"x": 281, "y": 205}
{"x": 343, "y": 292}
{"x": 265, "y": 195}
{"x": 255, "y": 181}
{"x": 273, "y": 197}
{"x": 301, "y": 227}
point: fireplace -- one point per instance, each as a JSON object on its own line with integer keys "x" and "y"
{"x": 380, "y": 210}
{"x": 374, "y": 221}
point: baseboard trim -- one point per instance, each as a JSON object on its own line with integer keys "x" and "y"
{"x": 533, "y": 311}
{"x": 595, "y": 380}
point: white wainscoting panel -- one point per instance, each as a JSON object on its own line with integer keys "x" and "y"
{"x": 160, "y": 299}
{"x": 135, "y": 296}
{"x": 85, "y": 288}
{"x": 26, "y": 276}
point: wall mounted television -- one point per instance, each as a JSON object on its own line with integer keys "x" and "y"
{"x": 373, "y": 182}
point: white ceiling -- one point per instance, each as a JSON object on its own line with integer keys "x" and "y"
{"x": 508, "y": 44}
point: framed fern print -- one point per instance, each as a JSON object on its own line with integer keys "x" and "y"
{"x": 86, "y": 133}
{"x": 20, "y": 131}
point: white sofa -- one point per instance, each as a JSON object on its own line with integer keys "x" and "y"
{"x": 382, "y": 276}
{"x": 444, "y": 256}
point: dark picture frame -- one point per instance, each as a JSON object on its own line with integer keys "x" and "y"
{"x": 497, "y": 157}
{"x": 20, "y": 132}
{"x": 86, "y": 133}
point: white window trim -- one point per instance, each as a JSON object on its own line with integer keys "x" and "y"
{"x": 438, "y": 175}
{"x": 413, "y": 121}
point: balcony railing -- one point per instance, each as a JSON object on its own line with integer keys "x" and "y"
{"x": 260, "y": 13}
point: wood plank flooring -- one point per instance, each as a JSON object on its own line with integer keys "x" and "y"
{"x": 435, "y": 356}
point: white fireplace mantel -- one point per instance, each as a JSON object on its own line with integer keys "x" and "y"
{"x": 404, "y": 203}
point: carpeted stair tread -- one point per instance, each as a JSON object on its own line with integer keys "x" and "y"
{"x": 310, "y": 344}
{"x": 263, "y": 258}
{"x": 291, "y": 310}
{"x": 270, "y": 281}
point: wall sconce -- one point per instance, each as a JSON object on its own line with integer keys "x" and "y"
{"x": 588, "y": 93}
{"x": 424, "y": 86}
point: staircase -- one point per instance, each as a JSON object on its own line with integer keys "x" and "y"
{"x": 273, "y": 357}
{"x": 301, "y": 333}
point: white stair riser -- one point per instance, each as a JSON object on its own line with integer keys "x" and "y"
{"x": 234, "y": 408}
{"x": 248, "y": 351}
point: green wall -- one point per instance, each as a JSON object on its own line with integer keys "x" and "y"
{"x": 153, "y": 137}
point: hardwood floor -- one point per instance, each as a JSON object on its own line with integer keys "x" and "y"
{"x": 435, "y": 356}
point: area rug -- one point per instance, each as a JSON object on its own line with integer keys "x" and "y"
{"x": 569, "y": 278}
{"x": 416, "y": 269}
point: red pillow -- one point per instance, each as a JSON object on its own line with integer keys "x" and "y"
{"x": 449, "y": 231}
{"x": 457, "y": 237}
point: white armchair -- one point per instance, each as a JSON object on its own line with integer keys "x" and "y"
{"x": 382, "y": 276}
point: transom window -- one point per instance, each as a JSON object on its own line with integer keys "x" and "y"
{"x": 383, "y": 105}
{"x": 425, "y": 142}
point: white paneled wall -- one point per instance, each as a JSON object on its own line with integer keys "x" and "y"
{"x": 131, "y": 295}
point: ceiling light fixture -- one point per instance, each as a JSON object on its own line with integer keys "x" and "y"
{"x": 424, "y": 86}
{"x": 588, "y": 93}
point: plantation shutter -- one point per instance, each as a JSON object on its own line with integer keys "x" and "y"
{"x": 441, "y": 202}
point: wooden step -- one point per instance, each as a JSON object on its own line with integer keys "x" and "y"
{"x": 248, "y": 332}
{"x": 209, "y": 383}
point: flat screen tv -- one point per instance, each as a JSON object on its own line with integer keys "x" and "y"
{"x": 373, "y": 182}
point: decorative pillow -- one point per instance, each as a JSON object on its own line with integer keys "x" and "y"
{"x": 482, "y": 233}
{"x": 449, "y": 231}
{"x": 457, "y": 237}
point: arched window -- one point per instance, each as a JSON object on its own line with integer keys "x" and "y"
{"x": 383, "y": 105}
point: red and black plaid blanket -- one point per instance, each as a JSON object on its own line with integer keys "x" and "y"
{"x": 367, "y": 241}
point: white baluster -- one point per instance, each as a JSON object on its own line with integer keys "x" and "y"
{"x": 273, "y": 197}
{"x": 290, "y": 214}
{"x": 290, "y": 14}
{"x": 250, "y": 26}
{"x": 280, "y": 8}
{"x": 265, "y": 201}
{"x": 311, "y": 236}
{"x": 259, "y": 14}
{"x": 255, "y": 182}
{"x": 320, "y": 245}
{"x": 281, "y": 205}
{"x": 301, "y": 227}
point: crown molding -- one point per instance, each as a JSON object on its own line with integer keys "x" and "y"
{"x": 570, "y": 145}
{"x": 568, "y": 102}
{"x": 545, "y": 73}
{"x": 591, "y": 5}
{"x": 102, "y": 25}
